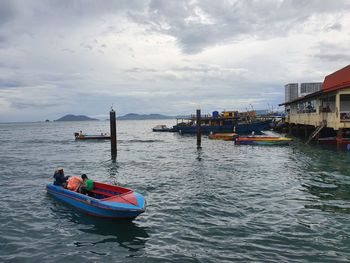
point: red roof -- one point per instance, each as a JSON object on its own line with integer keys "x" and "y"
{"x": 337, "y": 80}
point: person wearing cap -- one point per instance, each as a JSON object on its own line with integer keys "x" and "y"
{"x": 60, "y": 179}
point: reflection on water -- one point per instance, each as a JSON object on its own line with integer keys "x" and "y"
{"x": 199, "y": 154}
{"x": 326, "y": 179}
{"x": 125, "y": 232}
{"x": 112, "y": 171}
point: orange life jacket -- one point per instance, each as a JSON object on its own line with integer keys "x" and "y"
{"x": 74, "y": 182}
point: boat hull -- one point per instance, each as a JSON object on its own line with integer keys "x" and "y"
{"x": 98, "y": 207}
{"x": 263, "y": 140}
{"x": 241, "y": 128}
{"x": 93, "y": 137}
{"x": 223, "y": 136}
{"x": 161, "y": 130}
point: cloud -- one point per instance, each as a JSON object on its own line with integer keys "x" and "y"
{"x": 330, "y": 52}
{"x": 200, "y": 24}
{"x": 157, "y": 56}
{"x": 6, "y": 12}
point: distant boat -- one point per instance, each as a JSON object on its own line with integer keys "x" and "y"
{"x": 108, "y": 201}
{"x": 161, "y": 128}
{"x": 262, "y": 140}
{"x": 80, "y": 136}
{"x": 223, "y": 136}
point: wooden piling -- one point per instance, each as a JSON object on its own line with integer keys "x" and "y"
{"x": 289, "y": 129}
{"x": 339, "y": 138}
{"x": 113, "y": 126}
{"x": 198, "y": 122}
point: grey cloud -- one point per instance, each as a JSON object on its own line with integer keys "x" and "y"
{"x": 7, "y": 11}
{"x": 68, "y": 10}
{"x": 27, "y": 105}
{"x": 330, "y": 52}
{"x": 68, "y": 50}
{"x": 9, "y": 84}
{"x": 195, "y": 24}
{"x": 334, "y": 57}
{"x": 336, "y": 27}
{"x": 198, "y": 24}
{"x": 140, "y": 70}
{"x": 206, "y": 74}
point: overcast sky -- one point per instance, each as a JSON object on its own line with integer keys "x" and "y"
{"x": 168, "y": 57}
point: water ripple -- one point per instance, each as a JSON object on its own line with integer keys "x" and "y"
{"x": 222, "y": 203}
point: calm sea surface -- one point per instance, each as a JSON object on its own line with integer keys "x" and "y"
{"x": 225, "y": 203}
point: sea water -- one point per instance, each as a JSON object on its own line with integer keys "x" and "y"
{"x": 222, "y": 203}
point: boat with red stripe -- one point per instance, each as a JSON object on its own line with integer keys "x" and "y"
{"x": 109, "y": 201}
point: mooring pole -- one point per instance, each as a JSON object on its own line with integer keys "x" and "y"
{"x": 339, "y": 138}
{"x": 113, "y": 125}
{"x": 198, "y": 122}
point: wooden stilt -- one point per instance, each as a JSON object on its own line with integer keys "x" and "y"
{"x": 339, "y": 138}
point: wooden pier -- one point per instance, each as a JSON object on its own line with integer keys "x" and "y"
{"x": 324, "y": 115}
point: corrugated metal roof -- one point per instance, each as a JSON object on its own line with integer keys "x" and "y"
{"x": 337, "y": 80}
{"x": 309, "y": 96}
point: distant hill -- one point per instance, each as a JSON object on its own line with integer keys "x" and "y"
{"x": 134, "y": 116}
{"x": 71, "y": 117}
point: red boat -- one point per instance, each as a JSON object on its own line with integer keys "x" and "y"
{"x": 80, "y": 136}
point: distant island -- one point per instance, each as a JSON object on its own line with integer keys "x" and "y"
{"x": 71, "y": 117}
{"x": 135, "y": 116}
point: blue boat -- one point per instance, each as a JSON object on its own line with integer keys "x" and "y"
{"x": 239, "y": 128}
{"x": 108, "y": 201}
{"x": 226, "y": 122}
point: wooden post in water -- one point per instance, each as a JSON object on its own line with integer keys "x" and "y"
{"x": 289, "y": 129}
{"x": 339, "y": 138}
{"x": 198, "y": 122}
{"x": 113, "y": 125}
{"x": 306, "y": 134}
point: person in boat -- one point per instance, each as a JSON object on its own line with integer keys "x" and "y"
{"x": 74, "y": 183}
{"x": 60, "y": 179}
{"x": 87, "y": 186}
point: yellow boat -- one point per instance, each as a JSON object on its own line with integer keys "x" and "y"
{"x": 263, "y": 140}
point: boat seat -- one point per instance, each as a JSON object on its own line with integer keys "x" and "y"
{"x": 102, "y": 193}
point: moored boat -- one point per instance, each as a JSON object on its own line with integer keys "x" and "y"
{"x": 161, "y": 128}
{"x": 225, "y": 122}
{"x": 263, "y": 140}
{"x": 240, "y": 128}
{"x": 223, "y": 136}
{"x": 108, "y": 201}
{"x": 80, "y": 136}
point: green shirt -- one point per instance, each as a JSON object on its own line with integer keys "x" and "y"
{"x": 89, "y": 184}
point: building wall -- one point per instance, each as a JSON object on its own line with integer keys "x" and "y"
{"x": 307, "y": 88}
{"x": 291, "y": 91}
{"x": 337, "y": 117}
